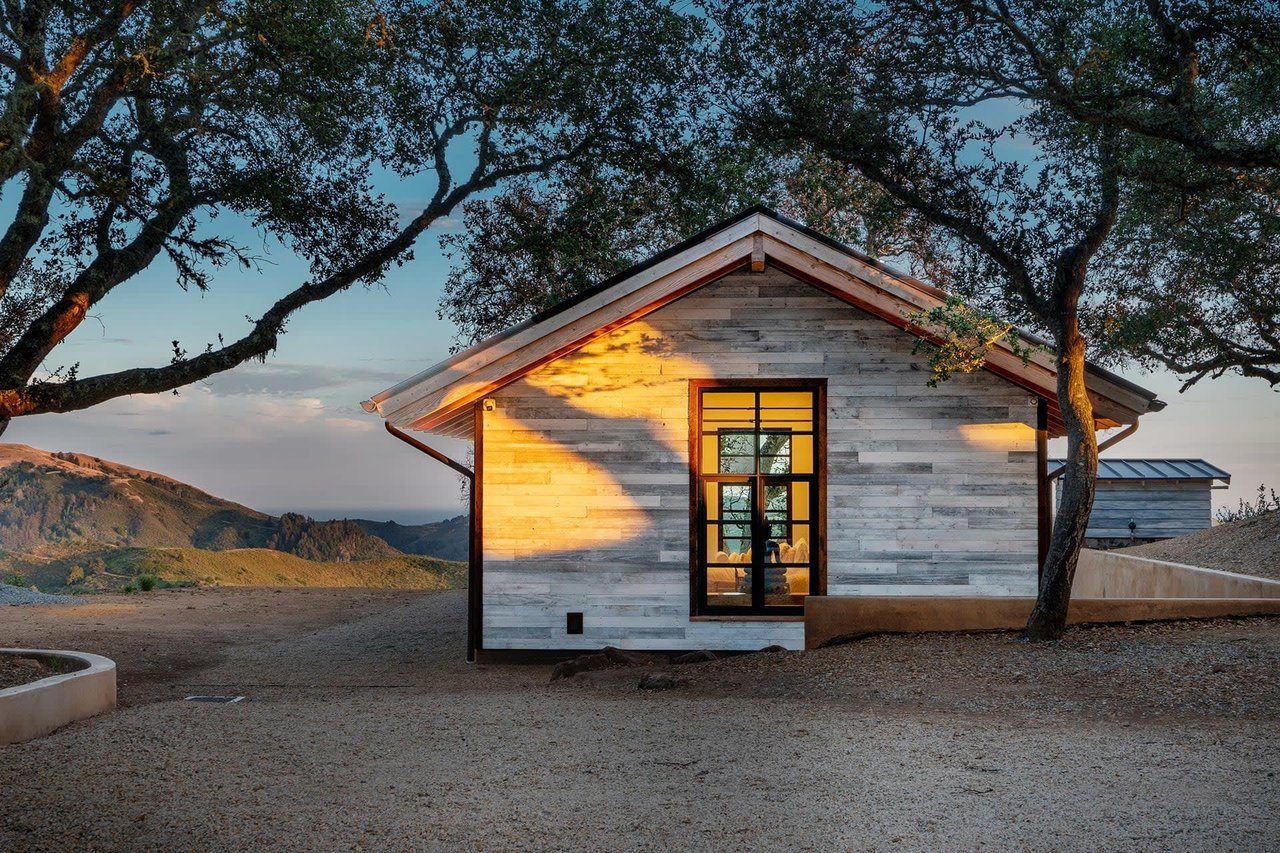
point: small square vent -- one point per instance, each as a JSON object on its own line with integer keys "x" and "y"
{"x": 573, "y": 623}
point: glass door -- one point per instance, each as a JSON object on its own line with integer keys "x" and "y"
{"x": 756, "y": 509}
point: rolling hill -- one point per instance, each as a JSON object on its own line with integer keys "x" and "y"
{"x": 448, "y": 539}
{"x": 73, "y": 521}
{"x": 72, "y": 499}
{"x": 112, "y": 569}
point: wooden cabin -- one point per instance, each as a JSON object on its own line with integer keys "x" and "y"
{"x": 679, "y": 456}
{"x": 1143, "y": 500}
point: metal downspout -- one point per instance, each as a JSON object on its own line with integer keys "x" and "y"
{"x": 473, "y": 582}
{"x": 1109, "y": 443}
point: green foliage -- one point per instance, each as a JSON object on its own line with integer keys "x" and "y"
{"x": 128, "y": 588}
{"x": 966, "y": 336}
{"x": 1265, "y": 503}
{"x": 545, "y": 240}
{"x": 1135, "y": 148}
{"x": 146, "y": 583}
{"x": 15, "y": 579}
{"x": 284, "y": 114}
{"x": 448, "y": 539}
{"x": 187, "y": 567}
{"x": 333, "y": 540}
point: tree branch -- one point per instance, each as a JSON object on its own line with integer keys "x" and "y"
{"x": 17, "y": 398}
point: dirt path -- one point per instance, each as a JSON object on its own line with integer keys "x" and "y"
{"x": 364, "y": 730}
{"x": 156, "y": 638}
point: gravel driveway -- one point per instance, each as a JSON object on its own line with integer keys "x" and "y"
{"x": 366, "y": 731}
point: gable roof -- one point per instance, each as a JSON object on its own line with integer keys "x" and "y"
{"x": 439, "y": 399}
{"x": 1155, "y": 469}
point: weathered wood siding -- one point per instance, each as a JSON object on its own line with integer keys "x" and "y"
{"x": 1161, "y": 509}
{"x": 586, "y": 478}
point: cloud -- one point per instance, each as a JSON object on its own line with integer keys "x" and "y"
{"x": 409, "y": 208}
{"x": 289, "y": 379}
{"x": 352, "y": 425}
{"x": 282, "y": 452}
{"x": 289, "y": 410}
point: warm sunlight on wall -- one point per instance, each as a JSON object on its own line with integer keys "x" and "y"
{"x": 998, "y": 436}
{"x": 632, "y": 372}
{"x": 541, "y": 497}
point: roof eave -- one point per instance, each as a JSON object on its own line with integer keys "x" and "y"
{"x": 1124, "y": 401}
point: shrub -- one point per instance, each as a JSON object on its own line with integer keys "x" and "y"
{"x": 128, "y": 587}
{"x": 146, "y": 583}
{"x": 75, "y": 576}
{"x": 1261, "y": 506}
{"x": 15, "y": 579}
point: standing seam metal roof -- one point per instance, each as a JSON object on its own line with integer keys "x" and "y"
{"x": 1155, "y": 469}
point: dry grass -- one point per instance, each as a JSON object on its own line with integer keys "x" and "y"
{"x": 112, "y": 568}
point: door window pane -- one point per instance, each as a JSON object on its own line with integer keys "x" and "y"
{"x": 758, "y": 450}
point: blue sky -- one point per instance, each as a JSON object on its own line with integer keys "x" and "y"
{"x": 290, "y": 434}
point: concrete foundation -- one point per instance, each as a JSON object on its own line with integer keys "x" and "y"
{"x": 31, "y": 710}
{"x": 828, "y": 617}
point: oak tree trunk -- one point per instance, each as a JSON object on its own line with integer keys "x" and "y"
{"x": 1049, "y": 616}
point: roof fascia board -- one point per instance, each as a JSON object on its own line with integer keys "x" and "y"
{"x": 420, "y": 412}
{"x": 483, "y": 355}
{"x": 866, "y": 284}
{"x": 884, "y": 271}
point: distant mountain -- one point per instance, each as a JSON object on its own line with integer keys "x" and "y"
{"x": 448, "y": 539}
{"x": 72, "y": 499}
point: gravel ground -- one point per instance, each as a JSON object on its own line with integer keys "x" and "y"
{"x": 16, "y": 670}
{"x": 18, "y": 595}
{"x": 364, "y": 730}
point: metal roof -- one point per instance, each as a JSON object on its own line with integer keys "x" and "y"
{"x": 1155, "y": 469}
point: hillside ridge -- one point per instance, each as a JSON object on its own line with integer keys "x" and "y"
{"x": 69, "y": 499}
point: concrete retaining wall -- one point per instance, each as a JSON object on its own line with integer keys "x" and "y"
{"x": 1109, "y": 587}
{"x": 1108, "y": 574}
{"x": 30, "y": 710}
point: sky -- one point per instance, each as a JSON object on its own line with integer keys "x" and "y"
{"x": 289, "y": 434}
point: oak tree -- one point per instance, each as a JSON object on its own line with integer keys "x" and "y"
{"x": 1102, "y": 174}
{"x": 1047, "y": 146}
{"x": 129, "y": 127}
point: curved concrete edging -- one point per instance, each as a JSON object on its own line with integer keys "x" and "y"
{"x": 30, "y": 710}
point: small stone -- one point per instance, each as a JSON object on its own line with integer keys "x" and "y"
{"x": 661, "y": 681}
{"x": 624, "y": 658}
{"x": 700, "y": 656}
{"x": 580, "y": 664}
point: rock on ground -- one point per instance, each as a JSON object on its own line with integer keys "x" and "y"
{"x": 18, "y": 595}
